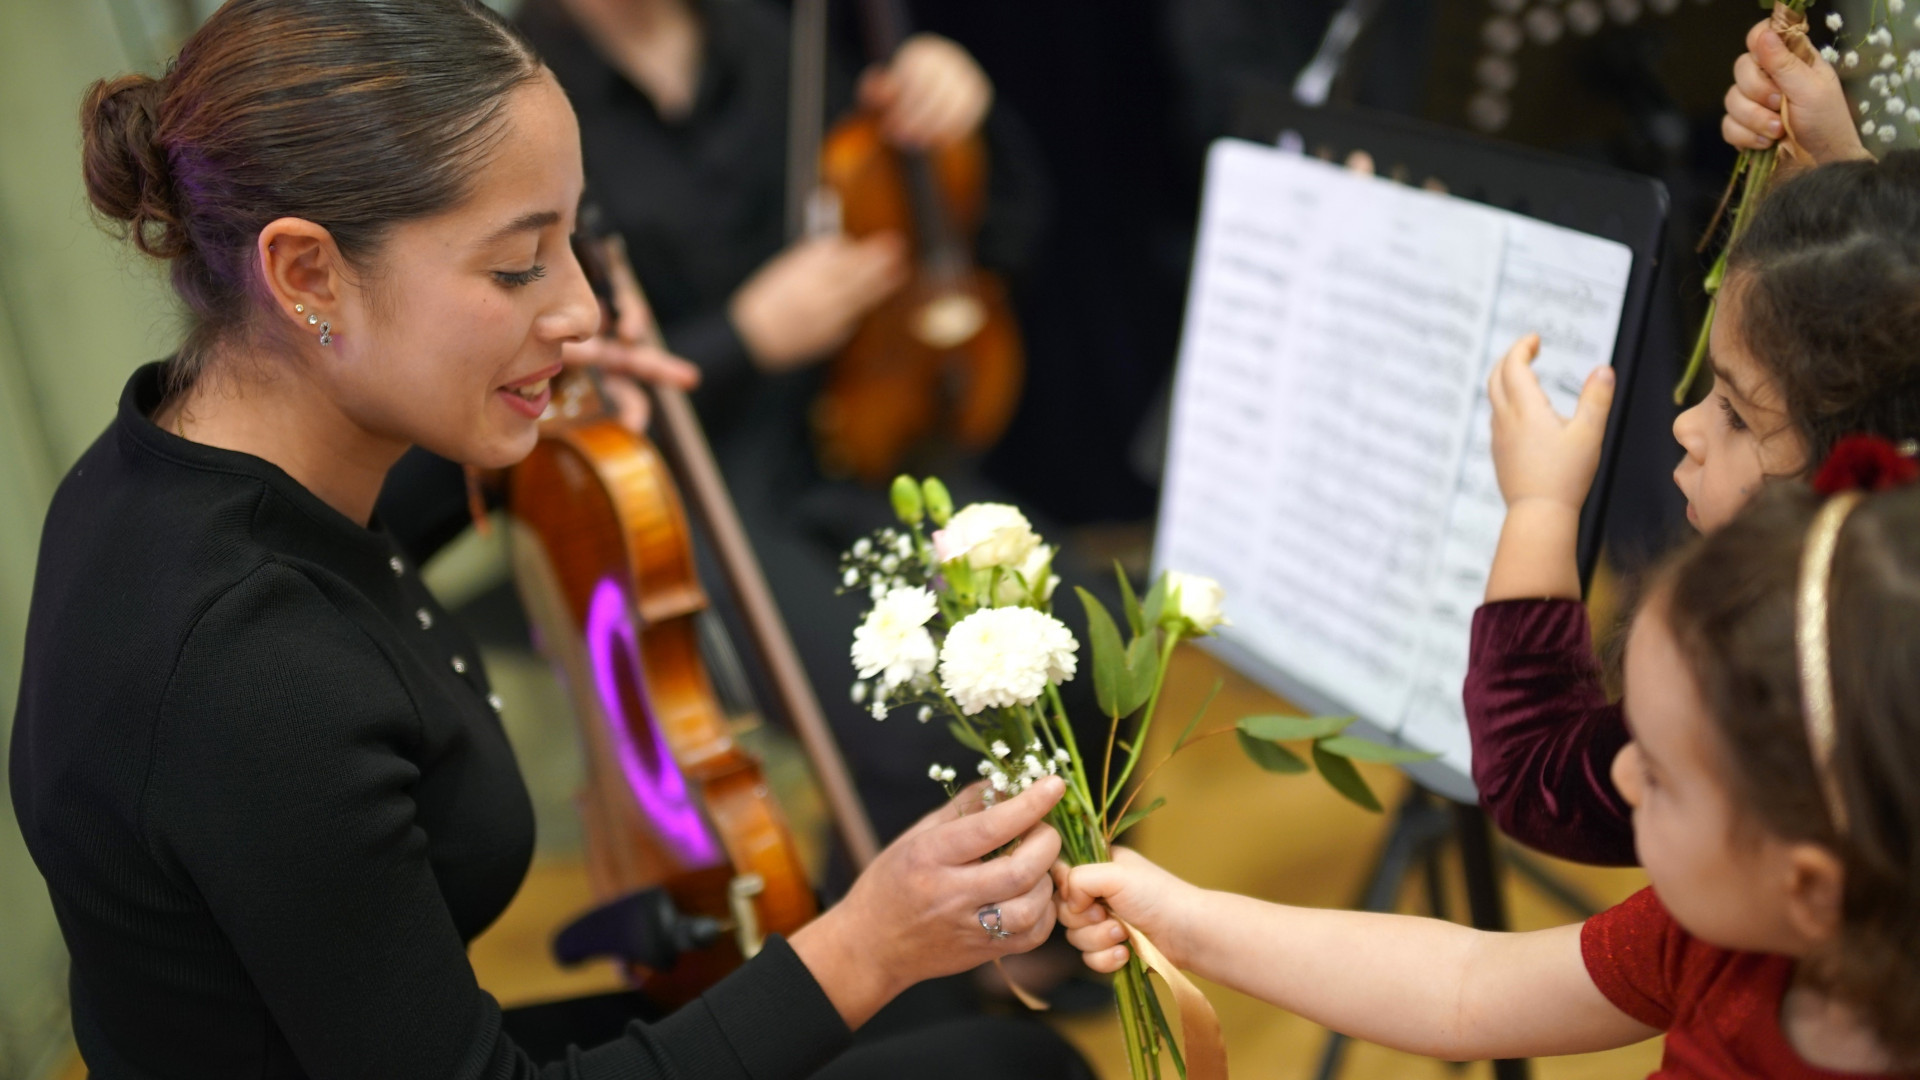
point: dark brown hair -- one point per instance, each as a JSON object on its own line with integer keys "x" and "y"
{"x": 1828, "y": 287}
{"x": 1729, "y": 600}
{"x": 353, "y": 114}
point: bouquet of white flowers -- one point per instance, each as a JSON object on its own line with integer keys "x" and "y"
{"x": 962, "y": 629}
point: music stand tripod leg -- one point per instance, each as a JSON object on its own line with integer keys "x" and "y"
{"x": 1486, "y": 906}
{"x": 1421, "y": 825}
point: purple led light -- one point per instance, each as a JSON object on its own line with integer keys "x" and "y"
{"x": 657, "y": 785}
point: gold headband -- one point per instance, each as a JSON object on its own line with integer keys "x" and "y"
{"x": 1810, "y": 641}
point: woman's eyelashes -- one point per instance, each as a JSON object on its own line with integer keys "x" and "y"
{"x": 1734, "y": 420}
{"x": 513, "y": 279}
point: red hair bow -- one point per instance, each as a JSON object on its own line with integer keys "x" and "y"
{"x": 1866, "y": 463}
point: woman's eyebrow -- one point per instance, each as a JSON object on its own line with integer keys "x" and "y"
{"x": 531, "y": 222}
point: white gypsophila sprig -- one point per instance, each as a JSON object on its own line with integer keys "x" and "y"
{"x": 998, "y": 658}
{"x": 893, "y": 645}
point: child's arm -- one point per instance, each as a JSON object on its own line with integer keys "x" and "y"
{"x": 1768, "y": 73}
{"x": 1419, "y": 985}
{"x": 1545, "y": 464}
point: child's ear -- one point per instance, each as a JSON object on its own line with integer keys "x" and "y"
{"x": 1816, "y": 891}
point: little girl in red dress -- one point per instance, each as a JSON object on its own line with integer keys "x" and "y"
{"x": 1773, "y": 714}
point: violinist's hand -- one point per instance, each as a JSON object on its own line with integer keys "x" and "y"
{"x": 1769, "y": 73}
{"x": 915, "y": 913}
{"x": 931, "y": 94}
{"x": 1545, "y": 464}
{"x": 807, "y": 300}
{"x": 632, "y": 354}
{"x": 1090, "y": 900}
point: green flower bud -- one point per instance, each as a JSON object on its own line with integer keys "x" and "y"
{"x": 907, "y": 504}
{"x": 939, "y": 503}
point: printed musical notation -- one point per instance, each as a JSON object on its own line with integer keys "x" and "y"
{"x": 1329, "y": 461}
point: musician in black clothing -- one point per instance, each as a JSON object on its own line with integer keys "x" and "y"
{"x": 259, "y": 767}
{"x": 683, "y": 120}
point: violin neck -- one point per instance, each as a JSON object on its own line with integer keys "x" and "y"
{"x": 806, "y": 110}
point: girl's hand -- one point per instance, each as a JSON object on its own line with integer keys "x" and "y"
{"x": 1538, "y": 455}
{"x": 931, "y": 94}
{"x": 1769, "y": 73}
{"x": 915, "y": 913}
{"x": 1155, "y": 902}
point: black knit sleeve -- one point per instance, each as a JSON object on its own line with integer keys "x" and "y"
{"x": 281, "y": 792}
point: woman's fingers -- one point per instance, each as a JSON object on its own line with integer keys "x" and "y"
{"x": 1019, "y": 870}
{"x": 980, "y": 834}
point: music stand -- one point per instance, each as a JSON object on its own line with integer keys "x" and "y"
{"x": 1443, "y": 805}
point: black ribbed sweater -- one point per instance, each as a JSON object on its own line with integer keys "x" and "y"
{"x": 262, "y": 773}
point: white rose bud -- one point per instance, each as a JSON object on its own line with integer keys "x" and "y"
{"x": 1196, "y": 600}
{"x": 986, "y": 535}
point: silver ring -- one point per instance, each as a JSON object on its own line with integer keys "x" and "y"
{"x": 990, "y": 922}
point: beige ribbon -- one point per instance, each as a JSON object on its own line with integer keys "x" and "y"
{"x": 1205, "y": 1051}
{"x": 1791, "y": 25}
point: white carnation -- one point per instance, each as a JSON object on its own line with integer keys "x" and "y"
{"x": 1196, "y": 599}
{"x": 893, "y": 644}
{"x": 997, "y": 658}
{"x": 986, "y": 535}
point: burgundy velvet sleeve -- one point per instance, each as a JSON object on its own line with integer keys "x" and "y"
{"x": 1544, "y": 734}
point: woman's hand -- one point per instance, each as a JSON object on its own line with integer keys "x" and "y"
{"x": 930, "y": 95}
{"x": 915, "y": 913}
{"x": 632, "y": 353}
{"x": 807, "y": 300}
{"x": 1769, "y": 73}
{"x": 1091, "y": 900}
{"x": 1545, "y": 464}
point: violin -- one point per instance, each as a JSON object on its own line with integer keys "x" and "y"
{"x": 941, "y": 358}
{"x": 672, "y": 804}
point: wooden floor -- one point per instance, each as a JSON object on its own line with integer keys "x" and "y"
{"x": 1226, "y": 825}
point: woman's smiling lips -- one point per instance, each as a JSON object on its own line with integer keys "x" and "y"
{"x": 529, "y": 396}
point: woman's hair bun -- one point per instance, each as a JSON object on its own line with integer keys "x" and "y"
{"x": 126, "y": 167}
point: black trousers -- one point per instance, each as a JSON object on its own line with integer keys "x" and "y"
{"x": 927, "y": 1033}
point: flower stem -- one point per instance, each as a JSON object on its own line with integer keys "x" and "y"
{"x": 1107, "y": 795}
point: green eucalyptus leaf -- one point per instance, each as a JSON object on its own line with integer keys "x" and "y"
{"x": 1293, "y": 728}
{"x": 1136, "y": 618}
{"x": 1135, "y": 817}
{"x": 1345, "y": 778}
{"x": 1271, "y": 756}
{"x": 1143, "y": 671}
{"x": 1358, "y": 749}
{"x": 1155, "y": 605}
{"x": 1111, "y": 685}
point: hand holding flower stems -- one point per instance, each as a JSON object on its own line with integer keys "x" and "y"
{"x": 1770, "y": 80}
{"x": 962, "y": 627}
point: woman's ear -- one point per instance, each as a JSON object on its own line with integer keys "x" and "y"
{"x": 302, "y": 270}
{"x": 1816, "y": 892}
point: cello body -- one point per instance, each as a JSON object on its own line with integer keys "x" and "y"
{"x": 603, "y": 558}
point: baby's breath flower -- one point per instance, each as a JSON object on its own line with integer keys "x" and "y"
{"x": 984, "y": 767}
{"x": 1888, "y": 133}
{"x": 1834, "y": 22}
{"x": 850, "y": 578}
{"x": 1887, "y": 60}
{"x": 858, "y": 693}
{"x": 879, "y": 710}
{"x": 1866, "y": 107}
{"x": 1850, "y": 58}
{"x": 1913, "y": 114}
{"x": 862, "y": 548}
{"x": 1830, "y": 54}
{"x": 1060, "y": 755}
{"x": 1000, "y": 749}
{"x": 999, "y": 781}
{"x": 1879, "y": 83}
{"x": 1895, "y": 7}
{"x": 1868, "y": 128}
{"x": 926, "y": 713}
{"x": 1896, "y": 106}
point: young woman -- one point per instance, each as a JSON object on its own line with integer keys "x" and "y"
{"x": 1814, "y": 339}
{"x": 1775, "y": 737}
{"x": 259, "y": 767}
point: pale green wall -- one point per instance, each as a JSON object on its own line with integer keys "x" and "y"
{"x": 77, "y": 313}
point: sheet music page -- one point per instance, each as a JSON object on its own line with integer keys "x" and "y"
{"x": 1334, "y": 332}
{"x": 1569, "y": 287}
